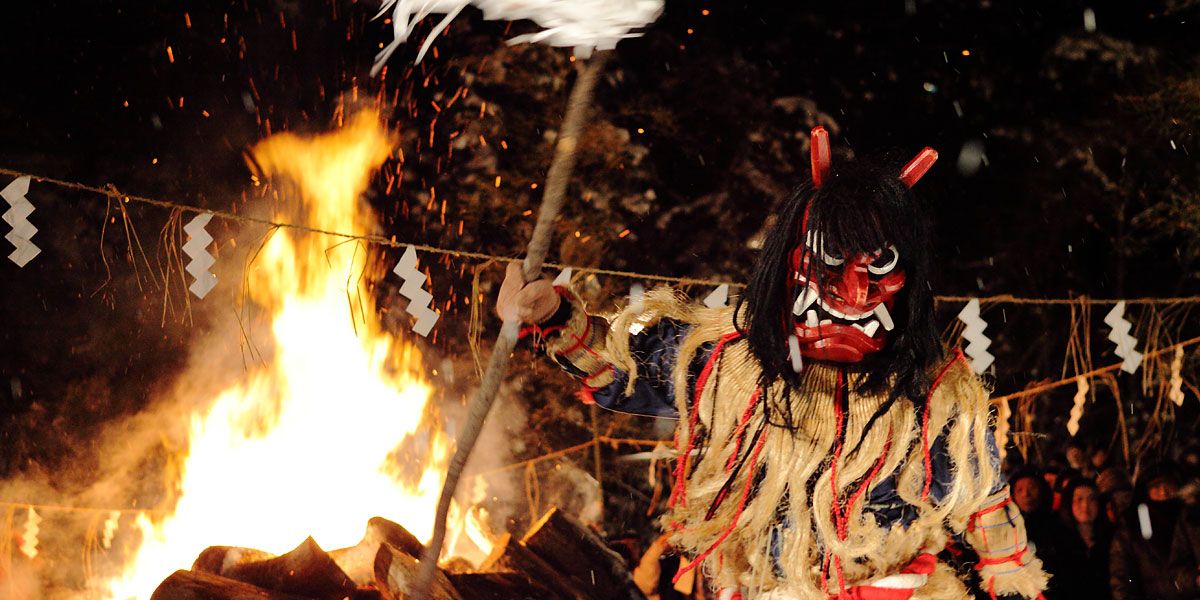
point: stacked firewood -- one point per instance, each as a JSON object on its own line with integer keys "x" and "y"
{"x": 558, "y": 559}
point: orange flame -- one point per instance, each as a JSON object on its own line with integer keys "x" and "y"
{"x": 303, "y": 443}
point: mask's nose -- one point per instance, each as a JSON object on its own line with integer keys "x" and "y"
{"x": 853, "y": 283}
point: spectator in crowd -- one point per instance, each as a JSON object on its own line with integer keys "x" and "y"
{"x": 1064, "y": 481}
{"x": 1117, "y": 492}
{"x": 1032, "y": 495}
{"x": 1141, "y": 549}
{"x": 1098, "y": 461}
{"x": 1051, "y": 477}
{"x": 1084, "y": 566}
{"x": 1077, "y": 457}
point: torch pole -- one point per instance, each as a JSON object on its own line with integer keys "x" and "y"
{"x": 557, "y": 178}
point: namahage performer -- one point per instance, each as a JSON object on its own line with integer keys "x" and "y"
{"x": 829, "y": 445}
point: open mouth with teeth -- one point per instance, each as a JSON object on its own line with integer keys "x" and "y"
{"x": 837, "y": 332}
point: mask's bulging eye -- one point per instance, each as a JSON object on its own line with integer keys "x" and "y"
{"x": 817, "y": 246}
{"x": 832, "y": 261}
{"x": 885, "y": 262}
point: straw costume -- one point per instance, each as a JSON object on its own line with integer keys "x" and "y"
{"x": 829, "y": 446}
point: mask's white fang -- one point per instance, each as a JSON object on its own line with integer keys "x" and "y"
{"x": 885, "y": 317}
{"x": 804, "y": 300}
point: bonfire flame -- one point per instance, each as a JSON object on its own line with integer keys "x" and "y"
{"x": 303, "y": 442}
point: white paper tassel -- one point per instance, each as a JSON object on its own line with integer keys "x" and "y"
{"x": 1003, "y": 413}
{"x": 1175, "y": 394}
{"x": 1081, "y": 392}
{"x": 584, "y": 25}
{"x": 564, "y": 278}
{"x": 1121, "y": 337}
{"x": 17, "y": 216}
{"x": 719, "y": 297}
{"x": 29, "y": 537}
{"x": 978, "y": 344}
{"x": 418, "y": 298}
{"x": 110, "y": 528}
{"x": 196, "y": 249}
{"x": 1144, "y": 525}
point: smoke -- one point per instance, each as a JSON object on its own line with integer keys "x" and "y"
{"x": 133, "y": 462}
{"x": 19, "y": 582}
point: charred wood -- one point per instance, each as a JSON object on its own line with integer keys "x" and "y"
{"x": 200, "y": 585}
{"x": 307, "y": 570}
{"x": 510, "y": 555}
{"x": 499, "y": 586}
{"x": 396, "y": 571}
{"x": 574, "y": 550}
{"x": 358, "y": 562}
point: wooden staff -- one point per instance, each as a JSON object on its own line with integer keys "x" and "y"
{"x": 535, "y": 254}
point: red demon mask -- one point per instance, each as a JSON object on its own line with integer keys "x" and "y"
{"x": 843, "y": 304}
{"x": 843, "y": 307}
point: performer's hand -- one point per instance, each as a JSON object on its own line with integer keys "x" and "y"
{"x": 530, "y": 303}
{"x": 648, "y": 570}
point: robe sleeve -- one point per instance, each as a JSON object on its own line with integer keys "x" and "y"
{"x": 576, "y": 342}
{"x": 1007, "y": 563}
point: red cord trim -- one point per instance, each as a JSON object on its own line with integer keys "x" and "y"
{"x": 925, "y": 424}
{"x": 587, "y": 394}
{"x": 740, "y": 433}
{"x": 736, "y": 516}
{"x": 580, "y": 340}
{"x": 602, "y": 371}
{"x": 991, "y": 509}
{"x": 678, "y": 494}
{"x": 840, "y": 419}
{"x": 1014, "y": 557}
{"x": 844, "y": 525}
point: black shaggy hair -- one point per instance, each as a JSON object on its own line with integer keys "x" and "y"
{"x": 861, "y": 207}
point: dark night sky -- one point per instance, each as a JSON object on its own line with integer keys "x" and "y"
{"x": 92, "y": 94}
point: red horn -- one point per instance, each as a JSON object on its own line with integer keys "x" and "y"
{"x": 819, "y": 148}
{"x": 918, "y": 166}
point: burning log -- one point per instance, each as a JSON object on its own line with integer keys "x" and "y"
{"x": 220, "y": 560}
{"x": 308, "y": 570}
{"x": 499, "y": 586}
{"x": 200, "y": 585}
{"x": 358, "y": 562}
{"x": 396, "y": 572}
{"x": 575, "y": 551}
{"x": 510, "y": 555}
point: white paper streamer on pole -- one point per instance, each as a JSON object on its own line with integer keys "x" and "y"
{"x": 418, "y": 298}
{"x": 196, "y": 249}
{"x": 110, "y": 528}
{"x": 718, "y": 297}
{"x": 585, "y": 25}
{"x": 1003, "y": 413}
{"x": 978, "y": 344}
{"x": 1122, "y": 338}
{"x": 29, "y": 536}
{"x": 564, "y": 278}
{"x": 1175, "y": 393}
{"x": 17, "y": 216}
{"x": 1081, "y": 392}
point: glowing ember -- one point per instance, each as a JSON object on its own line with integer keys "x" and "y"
{"x": 303, "y": 443}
